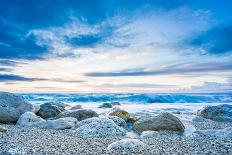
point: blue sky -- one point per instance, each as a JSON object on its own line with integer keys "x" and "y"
{"x": 115, "y": 46}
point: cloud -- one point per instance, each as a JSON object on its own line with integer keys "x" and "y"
{"x": 5, "y": 69}
{"x": 215, "y": 41}
{"x": 11, "y": 77}
{"x": 69, "y": 81}
{"x": 16, "y": 43}
{"x": 213, "y": 86}
{"x": 137, "y": 85}
{"x": 167, "y": 70}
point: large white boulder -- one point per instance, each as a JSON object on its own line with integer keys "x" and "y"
{"x": 98, "y": 127}
{"x": 58, "y": 124}
{"x": 127, "y": 145}
{"x": 29, "y": 119}
{"x": 163, "y": 121}
{"x": 220, "y": 113}
{"x": 12, "y": 107}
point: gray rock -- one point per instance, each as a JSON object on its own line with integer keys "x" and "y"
{"x": 75, "y": 107}
{"x": 29, "y": 119}
{"x": 59, "y": 104}
{"x": 164, "y": 121}
{"x": 80, "y": 114}
{"x": 120, "y": 113}
{"x": 3, "y": 129}
{"x": 115, "y": 103}
{"x": 98, "y": 127}
{"x": 58, "y": 124}
{"x": 220, "y": 113}
{"x": 12, "y": 107}
{"x": 105, "y": 105}
{"x": 48, "y": 110}
{"x": 117, "y": 120}
{"x": 127, "y": 145}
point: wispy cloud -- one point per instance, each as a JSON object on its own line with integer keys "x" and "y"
{"x": 11, "y": 77}
{"x": 166, "y": 71}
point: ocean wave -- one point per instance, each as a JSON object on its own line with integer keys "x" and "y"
{"x": 132, "y": 98}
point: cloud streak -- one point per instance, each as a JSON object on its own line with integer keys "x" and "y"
{"x": 166, "y": 71}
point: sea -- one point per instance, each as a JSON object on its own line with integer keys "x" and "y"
{"x": 136, "y": 102}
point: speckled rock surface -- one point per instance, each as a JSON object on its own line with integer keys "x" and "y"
{"x": 117, "y": 120}
{"x": 98, "y": 127}
{"x": 28, "y": 119}
{"x": 127, "y": 145}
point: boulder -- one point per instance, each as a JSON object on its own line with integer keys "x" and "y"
{"x": 127, "y": 145}
{"x": 105, "y": 105}
{"x": 117, "y": 120}
{"x": 115, "y": 103}
{"x": 59, "y": 104}
{"x": 80, "y": 114}
{"x": 48, "y": 110}
{"x": 120, "y": 113}
{"x": 3, "y": 129}
{"x": 220, "y": 113}
{"x": 29, "y": 119}
{"x": 75, "y": 107}
{"x": 98, "y": 127}
{"x": 164, "y": 121}
{"x": 58, "y": 124}
{"x": 12, "y": 107}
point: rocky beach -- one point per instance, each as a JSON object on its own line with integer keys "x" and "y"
{"x": 112, "y": 128}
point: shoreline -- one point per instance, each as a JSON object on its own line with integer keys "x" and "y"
{"x": 117, "y": 128}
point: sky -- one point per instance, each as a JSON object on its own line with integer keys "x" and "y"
{"x": 106, "y": 46}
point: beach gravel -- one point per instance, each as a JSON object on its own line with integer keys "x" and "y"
{"x": 36, "y": 141}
